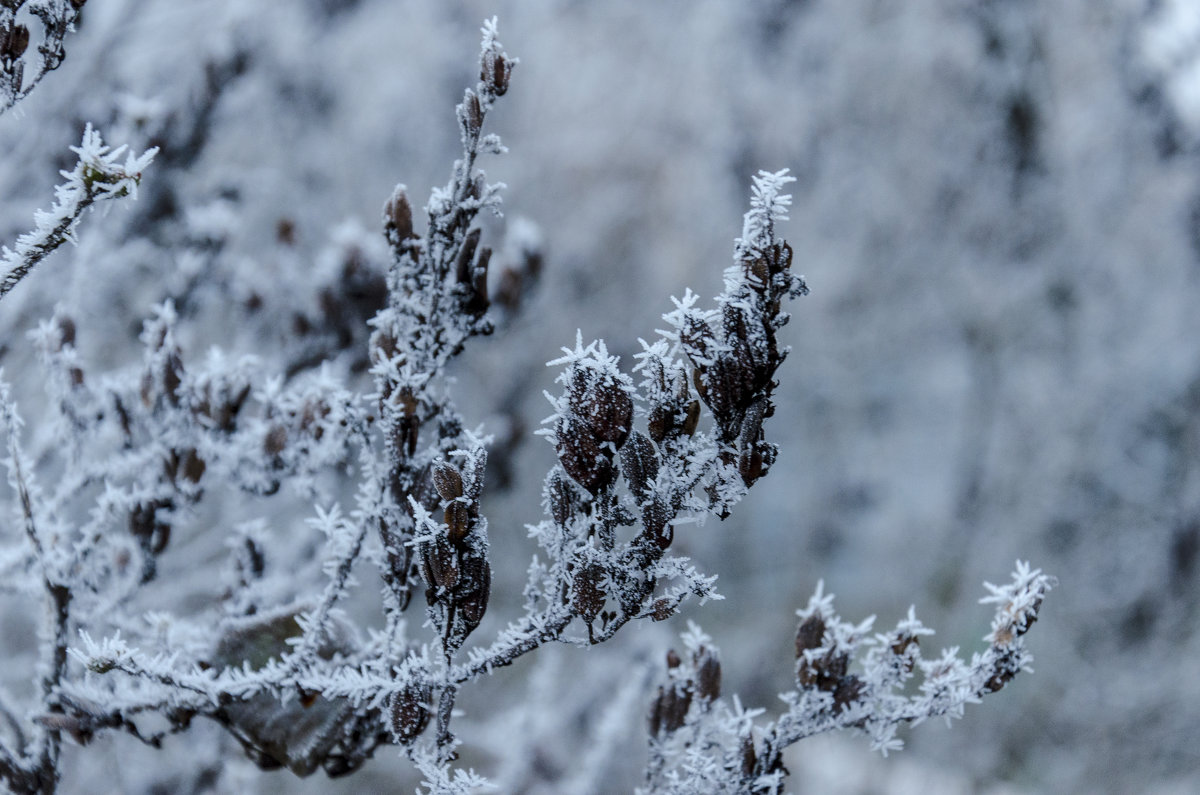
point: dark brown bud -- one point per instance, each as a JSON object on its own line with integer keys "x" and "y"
{"x": 473, "y": 603}
{"x": 193, "y": 466}
{"x": 673, "y": 660}
{"x": 675, "y": 707}
{"x": 691, "y": 418}
{"x": 471, "y": 112}
{"x": 810, "y": 635}
{"x": 749, "y": 757}
{"x": 173, "y": 377}
{"x": 276, "y": 440}
{"x": 581, "y": 455}
{"x": 588, "y": 598}
{"x": 442, "y": 562}
{"x": 458, "y": 520}
{"x": 847, "y": 691}
{"x": 447, "y": 481}
{"x": 66, "y": 330}
{"x": 610, "y": 414}
{"x": 655, "y": 718}
{"x": 15, "y": 43}
{"x": 561, "y": 498}
{"x": 466, "y": 257}
{"x": 495, "y": 72}
{"x": 77, "y": 4}
{"x": 639, "y": 462}
{"x": 708, "y": 675}
{"x": 397, "y": 216}
{"x": 663, "y": 609}
{"x": 410, "y": 712}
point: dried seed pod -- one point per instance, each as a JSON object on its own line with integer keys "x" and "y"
{"x": 410, "y": 712}
{"x": 639, "y": 462}
{"x": 477, "y": 582}
{"x": 442, "y": 563}
{"x": 610, "y": 415}
{"x": 581, "y": 455}
{"x": 398, "y": 217}
{"x": 66, "y": 331}
{"x": 676, "y": 704}
{"x": 673, "y": 660}
{"x": 847, "y": 690}
{"x": 458, "y": 520}
{"x": 708, "y": 675}
{"x": 561, "y": 498}
{"x": 472, "y": 112}
{"x": 193, "y": 466}
{"x": 656, "y": 525}
{"x": 275, "y": 440}
{"x": 15, "y": 43}
{"x": 447, "y": 481}
{"x": 663, "y": 609}
{"x": 495, "y": 71}
{"x": 810, "y": 634}
{"x": 691, "y": 418}
{"x": 749, "y": 757}
{"x": 588, "y": 597}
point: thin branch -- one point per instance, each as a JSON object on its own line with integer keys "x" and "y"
{"x": 96, "y": 177}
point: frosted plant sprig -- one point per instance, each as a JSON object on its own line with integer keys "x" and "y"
{"x": 99, "y": 175}
{"x": 846, "y": 677}
{"x": 57, "y": 18}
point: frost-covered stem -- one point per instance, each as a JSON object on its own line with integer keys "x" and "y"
{"x": 437, "y": 299}
{"x": 46, "y": 742}
{"x": 334, "y": 589}
{"x": 96, "y": 177}
{"x": 57, "y": 18}
{"x": 445, "y": 739}
{"x": 517, "y": 641}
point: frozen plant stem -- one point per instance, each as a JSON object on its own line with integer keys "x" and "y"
{"x": 97, "y": 177}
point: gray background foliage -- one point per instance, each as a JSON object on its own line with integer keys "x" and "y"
{"x": 997, "y": 210}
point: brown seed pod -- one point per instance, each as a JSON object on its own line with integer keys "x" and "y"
{"x": 639, "y": 463}
{"x": 441, "y": 559}
{"x": 809, "y": 635}
{"x": 477, "y": 582}
{"x": 398, "y": 217}
{"x": 458, "y": 521}
{"x": 581, "y": 455}
{"x": 275, "y": 440}
{"x": 708, "y": 675}
{"x": 561, "y": 498}
{"x": 410, "y": 712}
{"x": 15, "y": 44}
{"x": 447, "y": 481}
{"x": 663, "y": 609}
{"x": 588, "y": 597}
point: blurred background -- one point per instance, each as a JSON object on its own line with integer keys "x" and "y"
{"x": 997, "y": 208}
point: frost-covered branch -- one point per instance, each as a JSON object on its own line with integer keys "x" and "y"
{"x": 846, "y": 677}
{"x": 98, "y": 176}
{"x": 394, "y": 480}
{"x": 57, "y": 18}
